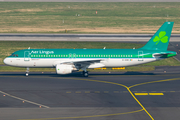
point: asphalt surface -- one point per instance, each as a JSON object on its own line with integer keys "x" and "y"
{"x": 83, "y": 37}
{"x": 101, "y": 96}
{"x": 175, "y": 46}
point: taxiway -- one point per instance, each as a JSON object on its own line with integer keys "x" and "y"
{"x": 100, "y": 96}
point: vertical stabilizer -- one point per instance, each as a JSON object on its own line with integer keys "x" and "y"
{"x": 160, "y": 39}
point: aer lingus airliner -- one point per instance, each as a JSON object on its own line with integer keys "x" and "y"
{"x": 67, "y": 60}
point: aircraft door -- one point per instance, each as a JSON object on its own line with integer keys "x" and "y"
{"x": 74, "y": 55}
{"x": 140, "y": 55}
{"x": 70, "y": 56}
{"x": 26, "y": 56}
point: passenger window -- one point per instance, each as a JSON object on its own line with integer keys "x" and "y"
{"x": 16, "y": 55}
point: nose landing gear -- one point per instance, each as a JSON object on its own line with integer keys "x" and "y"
{"x": 27, "y": 72}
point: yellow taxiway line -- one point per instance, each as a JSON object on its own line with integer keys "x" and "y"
{"x": 90, "y": 116}
{"x": 141, "y": 93}
{"x": 156, "y": 94}
{"x": 148, "y": 93}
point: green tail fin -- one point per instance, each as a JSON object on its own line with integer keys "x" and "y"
{"x": 160, "y": 39}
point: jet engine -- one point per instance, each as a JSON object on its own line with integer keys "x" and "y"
{"x": 64, "y": 69}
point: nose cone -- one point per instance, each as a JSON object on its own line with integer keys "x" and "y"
{"x": 5, "y": 61}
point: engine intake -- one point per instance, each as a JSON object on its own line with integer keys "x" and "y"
{"x": 64, "y": 69}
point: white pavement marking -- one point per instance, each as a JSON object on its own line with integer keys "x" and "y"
{"x": 112, "y": 38}
{"x": 24, "y": 100}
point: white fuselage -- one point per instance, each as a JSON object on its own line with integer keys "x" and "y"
{"x": 51, "y": 62}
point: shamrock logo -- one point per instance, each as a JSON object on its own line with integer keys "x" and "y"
{"x": 162, "y": 38}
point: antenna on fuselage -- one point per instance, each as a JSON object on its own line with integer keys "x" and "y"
{"x": 29, "y": 48}
{"x": 104, "y": 48}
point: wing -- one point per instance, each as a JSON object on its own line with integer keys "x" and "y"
{"x": 83, "y": 64}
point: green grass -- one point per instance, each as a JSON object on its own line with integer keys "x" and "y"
{"x": 166, "y": 62}
{"x": 132, "y": 68}
{"x": 111, "y": 18}
{"x": 17, "y": 69}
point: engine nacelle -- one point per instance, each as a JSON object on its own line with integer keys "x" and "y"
{"x": 64, "y": 69}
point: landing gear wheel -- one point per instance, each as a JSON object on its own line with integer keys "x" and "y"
{"x": 27, "y": 74}
{"x": 85, "y": 74}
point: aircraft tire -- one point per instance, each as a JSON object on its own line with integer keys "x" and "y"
{"x": 27, "y": 74}
{"x": 85, "y": 74}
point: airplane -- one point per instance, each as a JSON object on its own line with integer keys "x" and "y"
{"x": 67, "y": 60}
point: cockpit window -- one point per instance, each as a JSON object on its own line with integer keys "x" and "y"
{"x": 14, "y": 55}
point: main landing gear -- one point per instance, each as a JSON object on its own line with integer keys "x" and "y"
{"x": 27, "y": 72}
{"x": 85, "y": 73}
